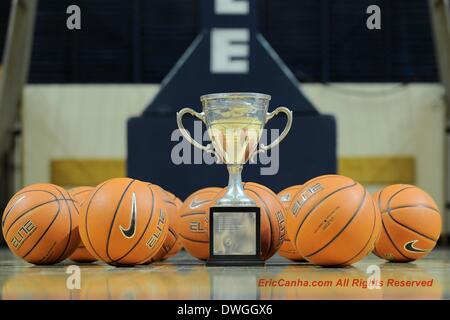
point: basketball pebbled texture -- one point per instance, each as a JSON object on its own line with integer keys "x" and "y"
{"x": 333, "y": 221}
{"x": 79, "y": 196}
{"x": 287, "y": 249}
{"x": 194, "y": 222}
{"x": 110, "y": 232}
{"x": 273, "y": 217}
{"x": 172, "y": 244}
{"x": 40, "y": 224}
{"x": 411, "y": 223}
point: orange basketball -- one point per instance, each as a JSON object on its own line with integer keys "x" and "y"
{"x": 172, "y": 244}
{"x": 124, "y": 222}
{"x": 287, "y": 249}
{"x": 175, "y": 199}
{"x": 333, "y": 221}
{"x": 194, "y": 226}
{"x": 178, "y": 245}
{"x": 273, "y": 219}
{"x": 40, "y": 224}
{"x": 411, "y": 223}
{"x": 80, "y": 195}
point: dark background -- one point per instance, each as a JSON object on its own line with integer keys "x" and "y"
{"x": 138, "y": 41}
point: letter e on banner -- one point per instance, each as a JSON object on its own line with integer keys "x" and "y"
{"x": 230, "y": 50}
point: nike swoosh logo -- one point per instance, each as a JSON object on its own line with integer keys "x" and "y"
{"x": 285, "y": 198}
{"x": 197, "y": 203}
{"x": 129, "y": 233}
{"x": 409, "y": 246}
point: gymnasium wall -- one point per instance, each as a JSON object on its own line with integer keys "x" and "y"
{"x": 139, "y": 41}
{"x": 387, "y": 133}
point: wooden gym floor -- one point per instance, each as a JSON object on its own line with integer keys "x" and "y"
{"x": 185, "y": 278}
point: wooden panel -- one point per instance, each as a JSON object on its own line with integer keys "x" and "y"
{"x": 378, "y": 170}
{"x": 366, "y": 170}
{"x": 89, "y": 172}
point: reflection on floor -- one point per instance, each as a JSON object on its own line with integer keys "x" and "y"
{"x": 185, "y": 278}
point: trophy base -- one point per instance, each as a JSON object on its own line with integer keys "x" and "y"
{"x": 235, "y": 236}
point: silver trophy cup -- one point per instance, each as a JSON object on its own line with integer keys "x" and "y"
{"x": 235, "y": 122}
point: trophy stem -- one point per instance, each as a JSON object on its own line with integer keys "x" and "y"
{"x": 235, "y": 195}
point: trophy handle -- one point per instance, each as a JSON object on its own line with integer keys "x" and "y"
{"x": 262, "y": 147}
{"x": 186, "y": 134}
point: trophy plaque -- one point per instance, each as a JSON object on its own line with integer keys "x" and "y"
{"x": 235, "y": 122}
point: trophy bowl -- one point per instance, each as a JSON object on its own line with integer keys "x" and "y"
{"x": 235, "y": 122}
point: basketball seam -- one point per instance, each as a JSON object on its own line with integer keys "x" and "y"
{"x": 86, "y": 217}
{"x": 266, "y": 211}
{"x": 392, "y": 242}
{"x": 17, "y": 195}
{"x": 193, "y": 240}
{"x": 411, "y": 206}
{"x": 388, "y": 203}
{"x": 310, "y": 182}
{"x": 46, "y": 191}
{"x": 76, "y": 209}
{"x": 80, "y": 192}
{"x": 27, "y": 212}
{"x": 370, "y": 237}
{"x": 343, "y": 228}
{"x": 382, "y": 223}
{"x": 173, "y": 242}
{"x": 202, "y": 190}
{"x": 170, "y": 202}
{"x": 45, "y": 232}
{"x": 114, "y": 219}
{"x": 318, "y": 204}
{"x": 72, "y": 195}
{"x": 171, "y": 196}
{"x": 165, "y": 249}
{"x": 175, "y": 235}
{"x": 411, "y": 229}
{"x": 375, "y": 251}
{"x": 145, "y": 229}
{"x": 150, "y": 257}
{"x": 70, "y": 226}
{"x": 379, "y": 200}
{"x": 275, "y": 196}
{"x": 46, "y": 258}
{"x": 286, "y": 190}
{"x": 264, "y": 188}
{"x": 192, "y": 214}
